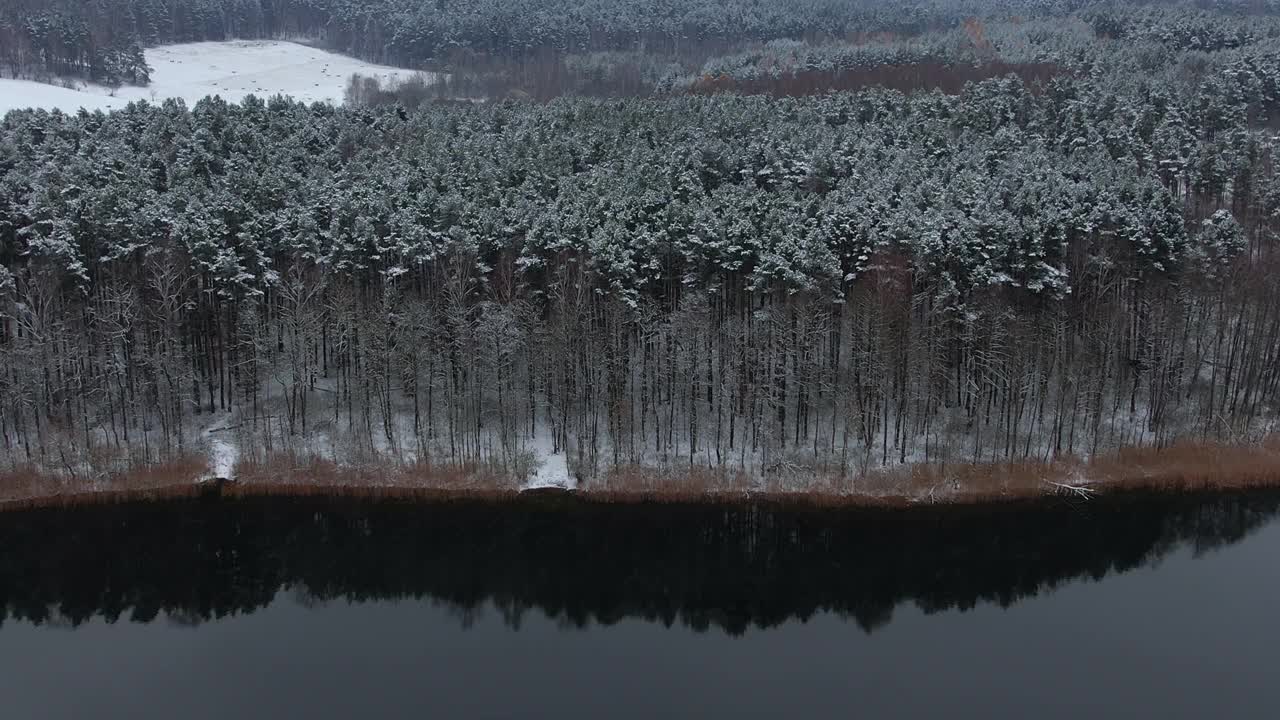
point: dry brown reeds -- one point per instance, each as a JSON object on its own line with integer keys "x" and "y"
{"x": 1190, "y": 466}
{"x": 27, "y": 486}
{"x": 1182, "y": 467}
{"x": 298, "y": 475}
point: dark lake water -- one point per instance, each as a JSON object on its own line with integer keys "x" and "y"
{"x": 352, "y": 609}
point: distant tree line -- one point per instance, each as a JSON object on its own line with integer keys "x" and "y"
{"x": 1033, "y": 48}
{"x": 413, "y": 32}
{"x": 45, "y": 45}
{"x": 525, "y": 44}
{"x": 101, "y": 40}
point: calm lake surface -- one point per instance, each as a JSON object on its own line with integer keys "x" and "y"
{"x": 352, "y": 609}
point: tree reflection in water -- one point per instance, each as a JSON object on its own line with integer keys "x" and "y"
{"x": 732, "y": 567}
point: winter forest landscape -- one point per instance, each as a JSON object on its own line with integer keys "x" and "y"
{"x": 850, "y": 249}
{"x": 702, "y": 298}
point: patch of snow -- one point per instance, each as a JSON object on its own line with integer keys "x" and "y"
{"x": 233, "y": 70}
{"x": 553, "y": 467}
{"x": 19, "y": 94}
{"x": 223, "y": 452}
{"x": 223, "y": 455}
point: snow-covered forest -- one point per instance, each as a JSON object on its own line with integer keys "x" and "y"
{"x": 230, "y": 69}
{"x": 772, "y": 284}
{"x": 66, "y": 35}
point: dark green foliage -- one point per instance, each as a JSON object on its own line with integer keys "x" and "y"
{"x": 647, "y": 192}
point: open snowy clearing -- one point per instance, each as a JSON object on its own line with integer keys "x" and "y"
{"x": 231, "y": 69}
{"x": 553, "y": 467}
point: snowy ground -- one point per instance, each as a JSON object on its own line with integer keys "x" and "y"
{"x": 553, "y": 468}
{"x": 230, "y": 69}
{"x": 223, "y": 452}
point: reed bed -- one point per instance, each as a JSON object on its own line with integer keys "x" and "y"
{"x": 26, "y": 486}
{"x": 1183, "y": 467}
{"x": 287, "y": 469}
{"x": 303, "y": 476}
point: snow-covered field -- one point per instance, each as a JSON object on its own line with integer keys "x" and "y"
{"x": 231, "y": 69}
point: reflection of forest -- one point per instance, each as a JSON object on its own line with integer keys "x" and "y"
{"x": 730, "y": 567}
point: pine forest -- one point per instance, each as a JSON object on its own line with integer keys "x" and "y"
{"x": 766, "y": 243}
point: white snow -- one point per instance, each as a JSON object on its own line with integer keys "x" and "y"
{"x": 231, "y": 69}
{"x": 553, "y": 470}
{"x": 17, "y": 94}
{"x": 223, "y": 452}
{"x": 224, "y": 456}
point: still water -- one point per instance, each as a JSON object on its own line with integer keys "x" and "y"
{"x": 353, "y": 609}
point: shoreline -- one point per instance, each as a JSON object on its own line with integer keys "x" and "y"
{"x": 1192, "y": 468}
{"x": 430, "y": 495}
